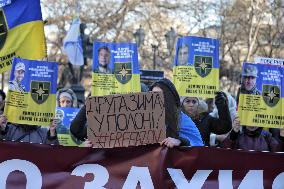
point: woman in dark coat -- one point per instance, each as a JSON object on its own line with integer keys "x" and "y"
{"x": 180, "y": 129}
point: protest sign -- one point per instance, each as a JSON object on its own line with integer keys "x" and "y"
{"x": 64, "y": 117}
{"x": 22, "y": 33}
{"x": 261, "y": 96}
{"x": 35, "y": 166}
{"x": 272, "y": 61}
{"x": 196, "y": 66}
{"x": 126, "y": 120}
{"x": 31, "y": 98}
{"x": 115, "y": 69}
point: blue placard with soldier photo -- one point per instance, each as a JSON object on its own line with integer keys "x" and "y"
{"x": 31, "y": 97}
{"x": 115, "y": 68}
{"x": 196, "y": 66}
{"x": 261, "y": 95}
{"x": 64, "y": 117}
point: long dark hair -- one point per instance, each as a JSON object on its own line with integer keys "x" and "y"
{"x": 172, "y": 106}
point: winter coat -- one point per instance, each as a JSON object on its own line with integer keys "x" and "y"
{"x": 78, "y": 126}
{"x": 259, "y": 140}
{"x": 27, "y": 133}
{"x": 207, "y": 124}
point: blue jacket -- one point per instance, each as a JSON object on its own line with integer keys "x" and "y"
{"x": 189, "y": 131}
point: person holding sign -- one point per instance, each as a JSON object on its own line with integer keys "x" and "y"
{"x": 252, "y": 138}
{"x": 66, "y": 98}
{"x": 27, "y": 133}
{"x": 197, "y": 109}
{"x": 104, "y": 59}
{"x": 19, "y": 74}
{"x": 180, "y": 129}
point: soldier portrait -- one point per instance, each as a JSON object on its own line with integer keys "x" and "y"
{"x": 182, "y": 54}
{"x": 249, "y": 78}
{"x": 103, "y": 60}
{"x": 19, "y": 74}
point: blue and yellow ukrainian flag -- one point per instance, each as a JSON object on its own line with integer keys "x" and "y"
{"x": 21, "y": 32}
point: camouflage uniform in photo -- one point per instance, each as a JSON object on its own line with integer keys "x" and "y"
{"x": 15, "y": 86}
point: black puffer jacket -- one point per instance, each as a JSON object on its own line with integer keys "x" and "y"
{"x": 78, "y": 125}
{"x": 207, "y": 124}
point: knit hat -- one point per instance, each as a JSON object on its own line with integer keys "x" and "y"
{"x": 65, "y": 94}
{"x": 182, "y": 99}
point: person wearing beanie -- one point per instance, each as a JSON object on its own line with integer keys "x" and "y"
{"x": 252, "y": 138}
{"x": 66, "y": 98}
{"x": 180, "y": 129}
{"x": 197, "y": 109}
{"x": 26, "y": 133}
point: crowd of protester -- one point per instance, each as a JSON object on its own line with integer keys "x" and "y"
{"x": 189, "y": 121}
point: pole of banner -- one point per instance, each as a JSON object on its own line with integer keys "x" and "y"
{"x": 154, "y": 47}
{"x": 45, "y": 22}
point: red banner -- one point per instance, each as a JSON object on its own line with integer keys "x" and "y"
{"x": 55, "y": 167}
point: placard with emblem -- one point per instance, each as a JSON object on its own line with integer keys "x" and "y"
{"x": 31, "y": 98}
{"x": 115, "y": 69}
{"x": 196, "y": 66}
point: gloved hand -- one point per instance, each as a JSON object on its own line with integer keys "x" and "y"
{"x": 221, "y": 98}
